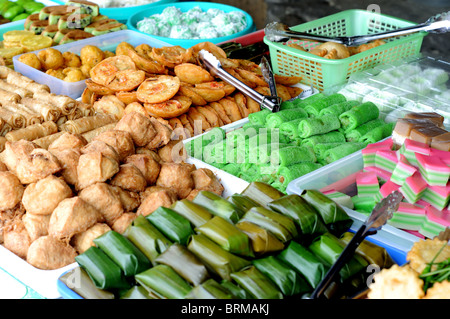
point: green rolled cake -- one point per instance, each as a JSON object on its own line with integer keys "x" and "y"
{"x": 319, "y": 125}
{"x": 359, "y": 115}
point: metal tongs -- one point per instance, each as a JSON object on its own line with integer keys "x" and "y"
{"x": 382, "y": 212}
{"x": 213, "y": 65}
{"x": 279, "y": 32}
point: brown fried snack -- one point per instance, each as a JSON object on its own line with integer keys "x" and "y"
{"x": 83, "y": 241}
{"x": 148, "y": 166}
{"x": 122, "y": 223}
{"x": 139, "y": 126}
{"x": 49, "y": 253}
{"x": 205, "y": 179}
{"x": 129, "y": 178}
{"x": 177, "y": 176}
{"x": 36, "y": 225}
{"x": 11, "y": 190}
{"x": 94, "y": 167}
{"x": 163, "y": 135}
{"x": 155, "y": 197}
{"x": 102, "y": 147}
{"x": 121, "y": 141}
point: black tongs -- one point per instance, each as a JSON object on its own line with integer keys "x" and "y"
{"x": 213, "y": 65}
{"x": 279, "y": 32}
{"x": 382, "y": 212}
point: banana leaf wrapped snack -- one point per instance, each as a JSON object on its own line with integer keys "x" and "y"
{"x": 185, "y": 263}
{"x": 257, "y": 285}
{"x": 137, "y": 292}
{"x": 84, "y": 286}
{"x": 287, "y": 279}
{"x": 243, "y": 202}
{"x": 311, "y": 267}
{"x": 308, "y": 222}
{"x": 210, "y": 289}
{"x": 218, "y": 206}
{"x": 163, "y": 281}
{"x": 174, "y": 226}
{"x": 196, "y": 214}
{"x": 262, "y": 193}
{"x": 218, "y": 261}
{"x": 147, "y": 238}
{"x": 262, "y": 240}
{"x": 333, "y": 215}
{"x": 227, "y": 236}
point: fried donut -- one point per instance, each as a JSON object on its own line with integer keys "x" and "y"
{"x": 51, "y": 59}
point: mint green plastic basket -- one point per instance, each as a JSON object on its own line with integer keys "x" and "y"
{"x": 324, "y": 73}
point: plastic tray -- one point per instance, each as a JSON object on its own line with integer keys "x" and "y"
{"x": 324, "y": 73}
{"x": 396, "y": 243}
{"x": 45, "y": 282}
{"x": 389, "y": 87}
{"x": 105, "y": 42}
{"x": 185, "y": 6}
{"x": 123, "y": 13}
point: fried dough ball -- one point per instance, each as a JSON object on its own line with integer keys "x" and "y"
{"x": 397, "y": 282}
{"x": 71, "y": 59}
{"x": 177, "y": 176}
{"x": 86, "y": 70}
{"x": 56, "y": 73}
{"x": 73, "y": 74}
{"x": 51, "y": 59}
{"x": 91, "y": 55}
{"x": 31, "y": 59}
{"x": 11, "y": 190}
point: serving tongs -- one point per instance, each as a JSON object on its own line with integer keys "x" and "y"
{"x": 382, "y": 212}
{"x": 279, "y": 32}
{"x": 213, "y": 65}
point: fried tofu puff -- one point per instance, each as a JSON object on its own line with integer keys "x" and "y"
{"x": 42, "y": 197}
{"x": 155, "y": 197}
{"x": 121, "y": 141}
{"x": 36, "y": 225}
{"x": 105, "y": 199}
{"x": 94, "y": 167}
{"x": 49, "y": 253}
{"x": 122, "y": 223}
{"x": 177, "y": 176}
{"x": 129, "y": 178}
{"x": 139, "y": 126}
{"x": 162, "y": 137}
{"x": 11, "y": 190}
{"x": 67, "y": 141}
{"x": 68, "y": 158}
{"x": 16, "y": 238}
{"x": 102, "y": 147}
{"x": 72, "y": 216}
{"x": 83, "y": 241}
{"x": 148, "y": 166}
{"x": 204, "y": 179}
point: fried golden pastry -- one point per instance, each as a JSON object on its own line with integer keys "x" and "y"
{"x": 177, "y": 176}
{"x": 37, "y": 165}
{"x": 105, "y": 199}
{"x": 139, "y": 126}
{"x": 42, "y": 197}
{"x": 231, "y": 108}
{"x": 148, "y": 166}
{"x": 440, "y": 290}
{"x": 122, "y": 223}
{"x": 72, "y": 216}
{"x": 68, "y": 141}
{"x": 31, "y": 59}
{"x": 83, "y": 241}
{"x": 16, "y": 238}
{"x": 241, "y": 101}
{"x": 110, "y": 104}
{"x": 163, "y": 135}
{"x": 129, "y": 178}
{"x": 173, "y": 152}
{"x": 51, "y": 59}
{"x": 155, "y": 198}
{"x": 221, "y": 112}
{"x": 36, "y": 225}
{"x": 91, "y": 55}
{"x": 158, "y": 89}
{"x": 71, "y": 59}
{"x": 396, "y": 283}
{"x": 14, "y": 151}
{"x": 121, "y": 141}
{"x": 11, "y": 190}
{"x": 127, "y": 97}
{"x": 424, "y": 251}
{"x": 49, "y": 253}
{"x": 130, "y": 200}
{"x": 171, "y": 56}
{"x": 102, "y": 147}
{"x": 68, "y": 159}
{"x": 135, "y": 107}
{"x": 209, "y": 94}
{"x": 187, "y": 90}
{"x": 177, "y": 105}
{"x": 73, "y": 74}
{"x": 192, "y": 73}
{"x": 283, "y": 92}
{"x": 204, "y": 179}
{"x": 94, "y": 167}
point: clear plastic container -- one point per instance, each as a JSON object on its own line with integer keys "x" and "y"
{"x": 105, "y": 42}
{"x": 418, "y": 84}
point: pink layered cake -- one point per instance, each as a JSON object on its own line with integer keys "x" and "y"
{"x": 443, "y": 155}
{"x": 437, "y": 196}
{"x": 369, "y": 152}
{"x": 386, "y": 160}
{"x": 402, "y": 171}
{"x": 387, "y": 188}
{"x": 433, "y": 170}
{"x": 436, "y": 222}
{"x": 340, "y": 198}
{"x": 367, "y": 185}
{"x": 410, "y": 148}
{"x": 413, "y": 188}
{"x": 381, "y": 173}
{"x": 408, "y": 216}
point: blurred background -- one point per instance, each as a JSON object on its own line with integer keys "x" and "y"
{"x": 294, "y": 12}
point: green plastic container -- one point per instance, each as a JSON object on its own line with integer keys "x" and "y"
{"x": 324, "y": 73}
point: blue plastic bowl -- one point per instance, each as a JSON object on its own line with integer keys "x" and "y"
{"x": 123, "y": 13}
{"x": 185, "y": 6}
